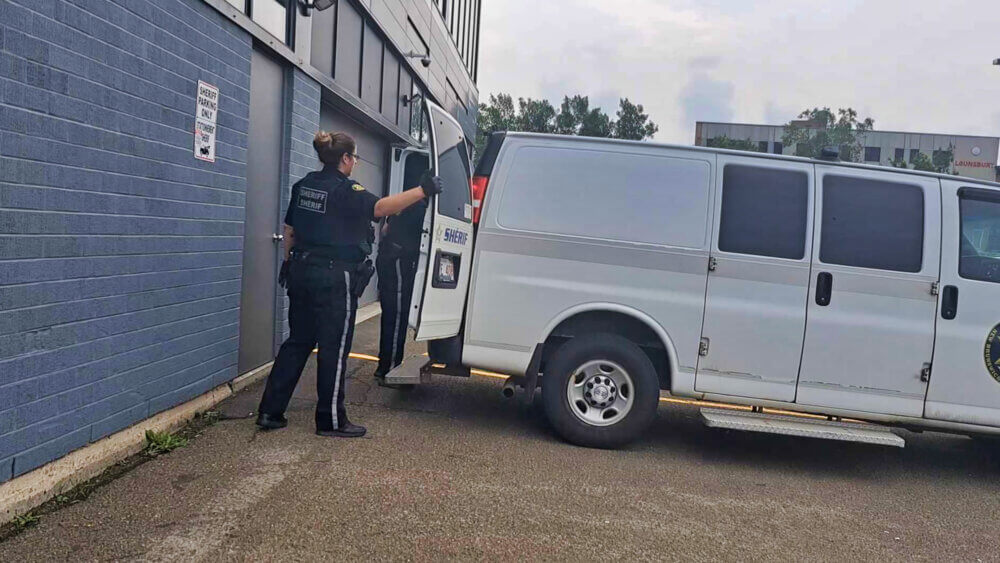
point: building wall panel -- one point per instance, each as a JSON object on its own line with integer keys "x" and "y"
{"x": 121, "y": 252}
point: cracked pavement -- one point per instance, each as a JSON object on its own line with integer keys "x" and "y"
{"x": 451, "y": 470}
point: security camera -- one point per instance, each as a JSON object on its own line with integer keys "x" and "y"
{"x": 996, "y": 62}
{"x": 319, "y": 5}
{"x": 425, "y": 58}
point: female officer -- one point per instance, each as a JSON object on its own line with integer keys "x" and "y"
{"x": 326, "y": 239}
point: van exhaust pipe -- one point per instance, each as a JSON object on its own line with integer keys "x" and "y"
{"x": 508, "y": 388}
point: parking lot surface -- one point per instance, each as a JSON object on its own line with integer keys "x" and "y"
{"x": 452, "y": 470}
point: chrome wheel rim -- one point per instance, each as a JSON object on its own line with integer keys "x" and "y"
{"x": 600, "y": 393}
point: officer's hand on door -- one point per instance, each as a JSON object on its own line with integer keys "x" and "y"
{"x": 431, "y": 184}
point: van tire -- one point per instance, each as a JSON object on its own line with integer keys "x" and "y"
{"x": 594, "y": 348}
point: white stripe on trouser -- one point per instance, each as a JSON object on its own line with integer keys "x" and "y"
{"x": 343, "y": 344}
{"x": 399, "y": 313}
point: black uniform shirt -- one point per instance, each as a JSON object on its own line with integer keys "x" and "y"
{"x": 331, "y": 215}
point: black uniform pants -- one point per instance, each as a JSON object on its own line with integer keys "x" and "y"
{"x": 395, "y": 290}
{"x": 321, "y": 312}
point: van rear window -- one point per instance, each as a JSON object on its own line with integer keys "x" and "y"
{"x": 764, "y": 211}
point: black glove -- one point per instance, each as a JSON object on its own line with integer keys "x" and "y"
{"x": 431, "y": 184}
{"x": 283, "y": 274}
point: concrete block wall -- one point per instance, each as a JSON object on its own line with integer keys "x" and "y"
{"x": 302, "y": 121}
{"x": 120, "y": 253}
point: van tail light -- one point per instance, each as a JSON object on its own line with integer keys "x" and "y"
{"x": 478, "y": 195}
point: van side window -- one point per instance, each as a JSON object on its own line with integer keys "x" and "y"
{"x": 764, "y": 211}
{"x": 979, "y": 256}
{"x": 872, "y": 224}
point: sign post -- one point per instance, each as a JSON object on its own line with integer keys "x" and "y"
{"x": 205, "y": 118}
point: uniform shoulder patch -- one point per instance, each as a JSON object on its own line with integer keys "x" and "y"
{"x": 358, "y": 188}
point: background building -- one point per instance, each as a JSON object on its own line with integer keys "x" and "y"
{"x": 975, "y": 157}
{"x": 137, "y": 270}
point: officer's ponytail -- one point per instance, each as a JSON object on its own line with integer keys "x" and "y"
{"x": 331, "y": 147}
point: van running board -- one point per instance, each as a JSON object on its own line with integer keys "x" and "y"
{"x": 413, "y": 371}
{"x": 801, "y": 426}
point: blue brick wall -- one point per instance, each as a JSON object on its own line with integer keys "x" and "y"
{"x": 120, "y": 253}
{"x": 301, "y": 124}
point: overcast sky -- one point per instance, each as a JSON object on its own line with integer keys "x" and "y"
{"x": 915, "y": 65}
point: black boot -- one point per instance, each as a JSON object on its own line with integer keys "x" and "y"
{"x": 271, "y": 421}
{"x": 348, "y": 430}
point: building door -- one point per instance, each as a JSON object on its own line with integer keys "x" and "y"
{"x": 260, "y": 245}
{"x": 870, "y": 323}
{"x": 755, "y": 310}
{"x": 965, "y": 379}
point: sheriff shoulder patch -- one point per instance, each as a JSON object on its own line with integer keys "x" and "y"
{"x": 358, "y": 188}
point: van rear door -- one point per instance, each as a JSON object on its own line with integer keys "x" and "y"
{"x": 965, "y": 379}
{"x": 446, "y": 253}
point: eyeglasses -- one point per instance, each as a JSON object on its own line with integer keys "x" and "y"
{"x": 355, "y": 156}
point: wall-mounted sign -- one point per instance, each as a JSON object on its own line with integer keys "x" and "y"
{"x": 205, "y": 118}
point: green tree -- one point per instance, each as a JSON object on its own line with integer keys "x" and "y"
{"x": 535, "y": 116}
{"x": 574, "y": 117}
{"x": 824, "y": 128}
{"x": 922, "y": 162}
{"x": 632, "y": 123}
{"x": 942, "y": 159}
{"x": 498, "y": 115}
{"x": 725, "y": 142}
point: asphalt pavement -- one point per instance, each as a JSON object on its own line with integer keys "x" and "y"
{"x": 452, "y": 470}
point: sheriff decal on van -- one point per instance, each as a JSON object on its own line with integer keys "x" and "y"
{"x": 992, "y": 352}
{"x": 453, "y": 236}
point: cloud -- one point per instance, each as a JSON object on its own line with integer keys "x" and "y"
{"x": 920, "y": 65}
{"x": 705, "y": 99}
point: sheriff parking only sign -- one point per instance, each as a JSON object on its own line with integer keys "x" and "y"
{"x": 206, "y": 114}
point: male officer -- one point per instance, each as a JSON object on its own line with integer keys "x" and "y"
{"x": 327, "y": 230}
{"x": 396, "y": 264}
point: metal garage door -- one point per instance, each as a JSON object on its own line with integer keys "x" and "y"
{"x": 373, "y": 170}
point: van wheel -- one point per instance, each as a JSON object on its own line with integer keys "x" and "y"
{"x": 600, "y": 391}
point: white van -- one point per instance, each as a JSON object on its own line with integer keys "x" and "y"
{"x": 604, "y": 271}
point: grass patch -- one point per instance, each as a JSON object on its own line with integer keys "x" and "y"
{"x": 156, "y": 443}
{"x": 25, "y": 521}
{"x": 163, "y": 442}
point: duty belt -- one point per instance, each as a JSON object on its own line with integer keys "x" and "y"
{"x": 313, "y": 259}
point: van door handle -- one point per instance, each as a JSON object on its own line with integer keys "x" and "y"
{"x": 824, "y": 288}
{"x": 949, "y": 302}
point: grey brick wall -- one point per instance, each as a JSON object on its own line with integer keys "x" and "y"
{"x": 301, "y": 123}
{"x": 120, "y": 253}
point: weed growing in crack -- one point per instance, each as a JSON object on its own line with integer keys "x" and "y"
{"x": 25, "y": 521}
{"x": 162, "y": 442}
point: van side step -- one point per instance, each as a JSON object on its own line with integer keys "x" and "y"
{"x": 800, "y": 426}
{"x": 413, "y": 371}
